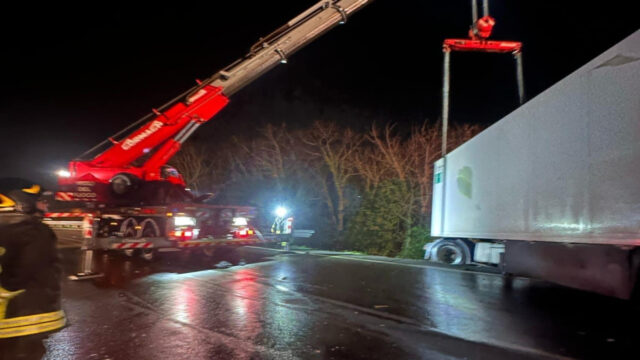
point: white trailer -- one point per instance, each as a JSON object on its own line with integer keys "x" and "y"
{"x": 552, "y": 190}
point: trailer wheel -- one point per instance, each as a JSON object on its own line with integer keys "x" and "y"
{"x": 450, "y": 251}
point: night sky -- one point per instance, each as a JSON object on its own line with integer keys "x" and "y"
{"x": 73, "y": 75}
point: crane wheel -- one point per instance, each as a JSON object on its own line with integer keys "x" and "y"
{"x": 149, "y": 229}
{"x": 128, "y": 229}
{"x": 122, "y": 184}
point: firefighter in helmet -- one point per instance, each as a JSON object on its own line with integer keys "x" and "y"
{"x": 29, "y": 273}
{"x": 282, "y": 227}
{"x": 278, "y": 226}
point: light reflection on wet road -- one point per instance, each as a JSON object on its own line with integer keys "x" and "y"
{"x": 283, "y": 306}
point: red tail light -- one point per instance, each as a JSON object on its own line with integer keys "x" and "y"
{"x": 242, "y": 233}
{"x": 184, "y": 234}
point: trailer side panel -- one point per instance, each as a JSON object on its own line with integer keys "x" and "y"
{"x": 564, "y": 167}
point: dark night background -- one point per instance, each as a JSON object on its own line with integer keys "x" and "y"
{"x": 73, "y": 75}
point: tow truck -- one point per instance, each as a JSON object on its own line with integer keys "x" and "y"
{"x": 122, "y": 195}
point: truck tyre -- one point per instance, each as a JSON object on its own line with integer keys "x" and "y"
{"x": 149, "y": 229}
{"x": 186, "y": 255}
{"x": 122, "y": 184}
{"x": 208, "y": 251}
{"x": 450, "y": 251}
{"x": 223, "y": 253}
{"x": 128, "y": 230}
{"x": 147, "y": 254}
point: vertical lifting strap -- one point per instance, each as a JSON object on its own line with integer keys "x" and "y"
{"x": 519, "y": 75}
{"x": 445, "y": 124}
{"x": 445, "y": 98}
{"x": 474, "y": 12}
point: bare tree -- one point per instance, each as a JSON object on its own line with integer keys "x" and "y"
{"x": 423, "y": 149}
{"x": 410, "y": 160}
{"x": 459, "y": 134}
{"x": 275, "y": 155}
{"x": 370, "y": 166}
{"x": 396, "y": 157}
{"x": 334, "y": 148}
{"x": 391, "y": 148}
{"x": 271, "y": 153}
{"x": 195, "y": 163}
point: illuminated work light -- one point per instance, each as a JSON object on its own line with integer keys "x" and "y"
{"x": 63, "y": 173}
{"x": 281, "y": 211}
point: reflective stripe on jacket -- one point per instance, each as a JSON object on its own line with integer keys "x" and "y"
{"x": 32, "y": 324}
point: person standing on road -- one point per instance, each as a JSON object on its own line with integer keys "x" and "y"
{"x": 283, "y": 227}
{"x": 29, "y": 273}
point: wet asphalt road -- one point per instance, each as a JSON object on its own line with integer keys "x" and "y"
{"x": 276, "y": 305}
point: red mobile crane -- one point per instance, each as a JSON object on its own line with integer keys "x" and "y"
{"x": 132, "y": 169}
{"x": 121, "y": 195}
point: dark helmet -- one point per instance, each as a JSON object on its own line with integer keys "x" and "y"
{"x": 19, "y": 195}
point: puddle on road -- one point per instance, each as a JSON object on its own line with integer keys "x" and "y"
{"x": 119, "y": 270}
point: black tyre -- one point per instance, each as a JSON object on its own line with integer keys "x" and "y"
{"x": 128, "y": 229}
{"x": 123, "y": 184}
{"x": 452, "y": 252}
{"x": 208, "y": 251}
{"x": 149, "y": 229}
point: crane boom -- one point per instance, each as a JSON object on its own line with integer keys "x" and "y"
{"x": 162, "y": 133}
{"x": 279, "y": 45}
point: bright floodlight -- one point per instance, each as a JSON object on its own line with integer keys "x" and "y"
{"x": 281, "y": 211}
{"x": 64, "y": 173}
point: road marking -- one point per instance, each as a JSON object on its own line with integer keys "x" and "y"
{"x": 381, "y": 261}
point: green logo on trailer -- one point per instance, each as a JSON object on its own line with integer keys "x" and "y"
{"x": 464, "y": 181}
